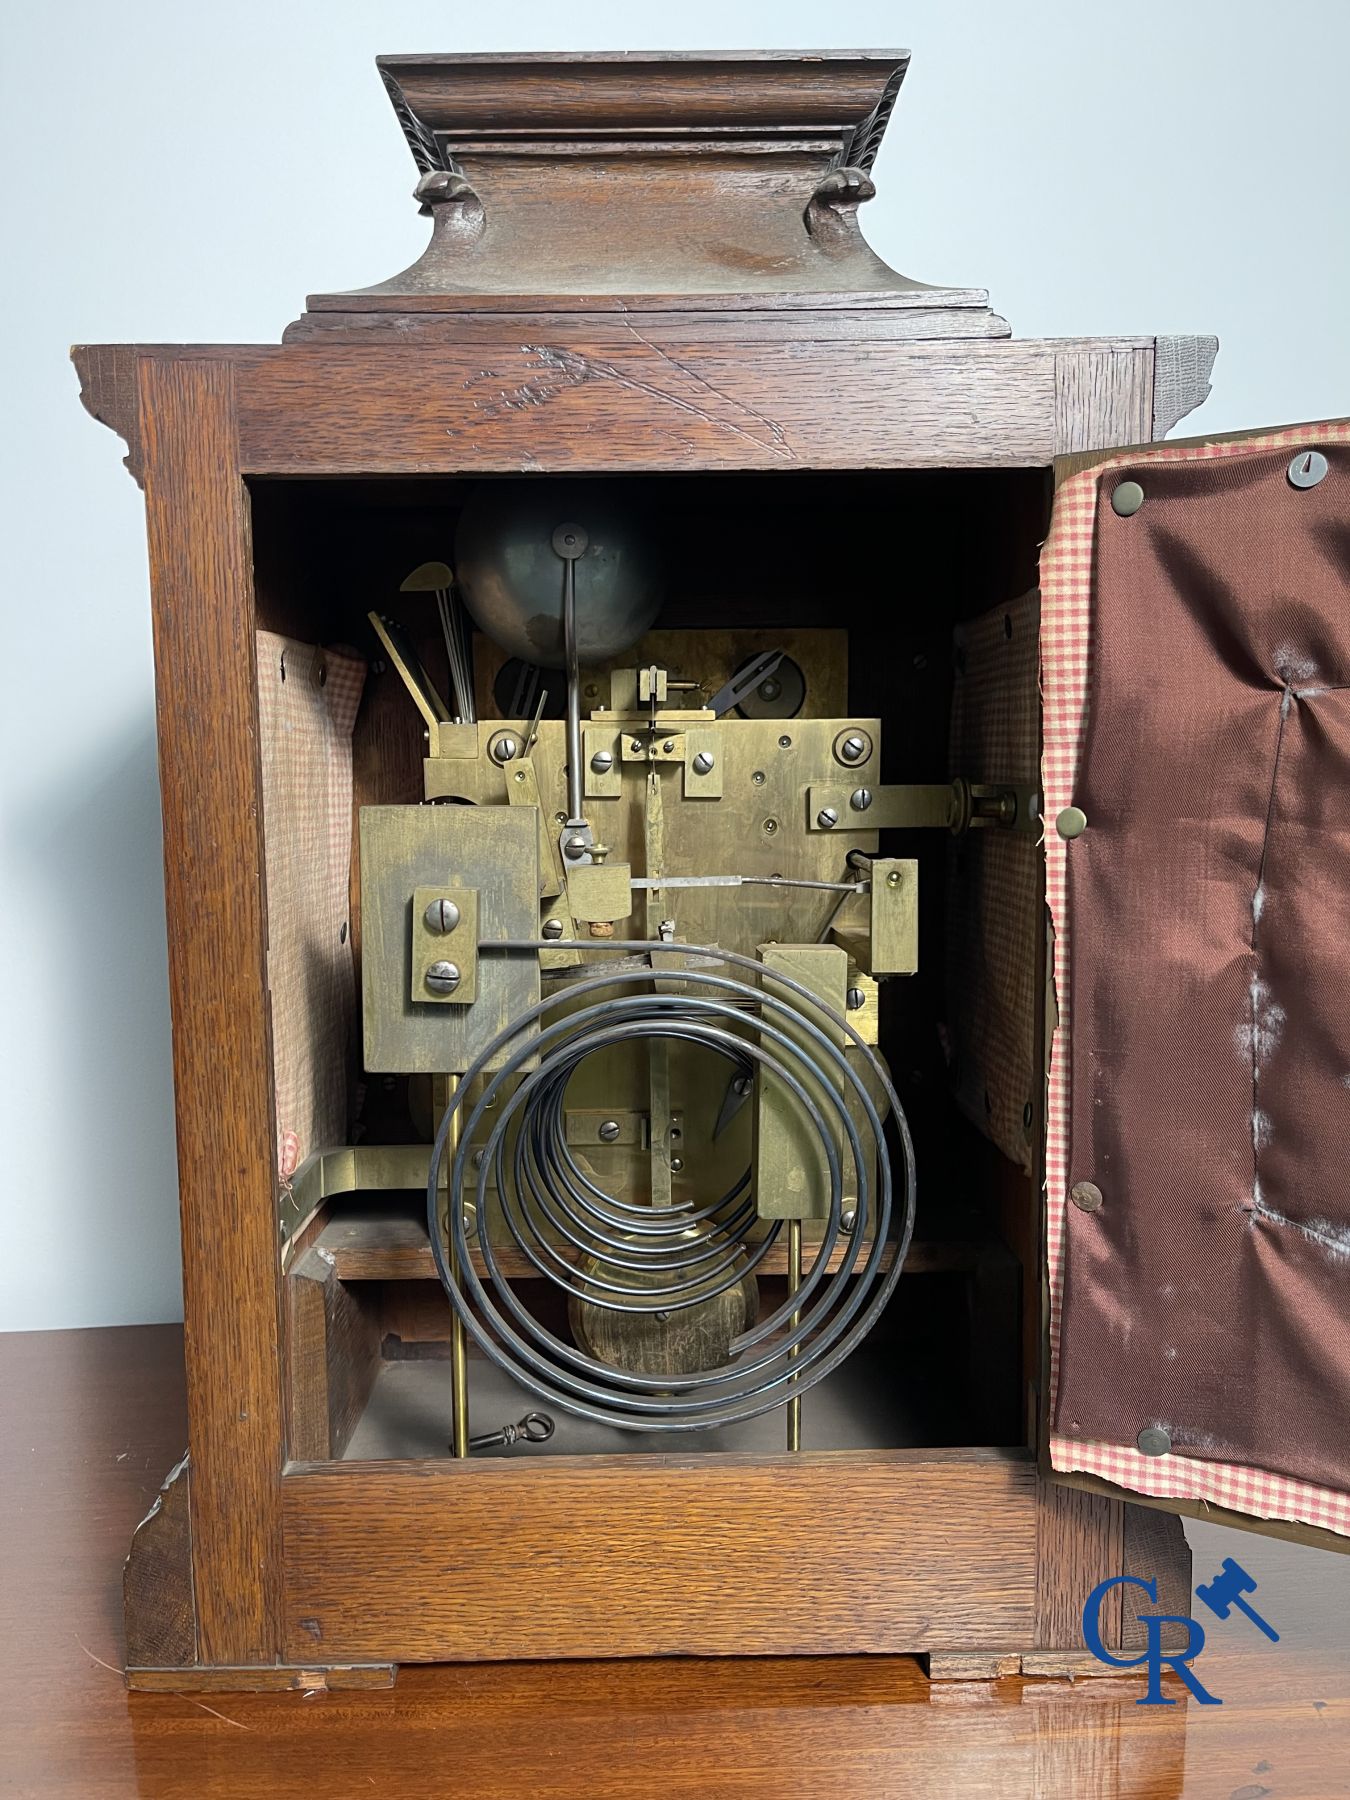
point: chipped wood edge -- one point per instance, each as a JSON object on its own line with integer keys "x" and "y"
{"x": 996, "y": 1665}
{"x": 1182, "y": 367}
{"x": 158, "y": 1592}
{"x": 272, "y": 1678}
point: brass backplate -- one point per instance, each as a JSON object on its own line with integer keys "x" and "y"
{"x": 709, "y": 658}
{"x": 757, "y": 827}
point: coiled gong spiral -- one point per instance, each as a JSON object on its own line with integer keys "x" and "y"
{"x": 612, "y": 1257}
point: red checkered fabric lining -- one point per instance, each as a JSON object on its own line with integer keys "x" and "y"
{"x": 307, "y": 702}
{"x": 993, "y": 882}
{"x": 1066, "y": 696}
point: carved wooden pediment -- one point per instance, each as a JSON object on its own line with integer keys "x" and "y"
{"x": 635, "y": 181}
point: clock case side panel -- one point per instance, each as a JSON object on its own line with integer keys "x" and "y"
{"x": 201, "y": 574}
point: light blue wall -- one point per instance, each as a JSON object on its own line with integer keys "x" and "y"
{"x": 182, "y": 172}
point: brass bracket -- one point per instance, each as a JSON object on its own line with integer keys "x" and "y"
{"x": 957, "y": 806}
{"x": 600, "y": 891}
{"x": 440, "y": 946}
{"x": 349, "y": 1169}
{"x": 880, "y": 929}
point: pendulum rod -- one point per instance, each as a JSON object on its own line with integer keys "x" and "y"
{"x": 794, "y": 1260}
{"x": 459, "y": 1348}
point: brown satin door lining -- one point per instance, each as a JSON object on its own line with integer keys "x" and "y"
{"x": 1208, "y": 1297}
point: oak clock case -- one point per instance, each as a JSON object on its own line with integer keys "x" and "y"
{"x": 617, "y": 1054}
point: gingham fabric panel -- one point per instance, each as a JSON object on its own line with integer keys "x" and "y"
{"x": 307, "y": 703}
{"x": 1067, "y": 658}
{"x": 993, "y": 883}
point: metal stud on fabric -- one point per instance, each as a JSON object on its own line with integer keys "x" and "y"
{"x": 1126, "y": 498}
{"x": 1307, "y": 468}
{"x": 1086, "y": 1196}
{"x": 1154, "y": 1441}
{"x": 1072, "y": 822}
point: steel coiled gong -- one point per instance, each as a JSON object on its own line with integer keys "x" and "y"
{"x": 616, "y": 1260}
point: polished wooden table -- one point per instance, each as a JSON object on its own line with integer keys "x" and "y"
{"x": 92, "y": 1421}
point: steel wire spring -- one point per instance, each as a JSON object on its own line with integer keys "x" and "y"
{"x": 635, "y": 1259}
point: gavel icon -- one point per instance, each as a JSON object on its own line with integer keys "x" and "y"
{"x": 1225, "y": 1592}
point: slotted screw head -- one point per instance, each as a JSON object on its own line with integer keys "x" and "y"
{"x": 668, "y": 745}
{"x": 827, "y": 818}
{"x": 703, "y": 763}
{"x": 856, "y": 997}
{"x": 442, "y": 977}
{"x": 441, "y": 916}
{"x": 860, "y": 799}
{"x": 743, "y": 1084}
{"x": 854, "y": 747}
{"x": 609, "y": 1131}
{"x": 553, "y": 928}
{"x": 574, "y": 847}
{"x": 602, "y": 762}
{"x": 504, "y": 748}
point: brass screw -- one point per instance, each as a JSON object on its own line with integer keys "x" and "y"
{"x": 893, "y": 878}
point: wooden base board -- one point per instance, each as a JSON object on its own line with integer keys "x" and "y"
{"x": 670, "y": 1555}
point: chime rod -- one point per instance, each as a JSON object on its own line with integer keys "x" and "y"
{"x": 569, "y": 541}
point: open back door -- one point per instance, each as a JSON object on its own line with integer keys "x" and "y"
{"x": 1196, "y": 681}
